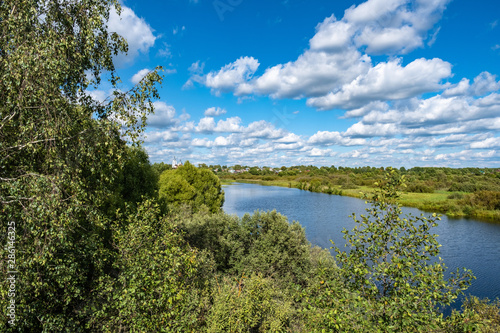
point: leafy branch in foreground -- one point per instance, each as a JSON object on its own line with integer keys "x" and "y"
{"x": 393, "y": 264}
{"x": 62, "y": 157}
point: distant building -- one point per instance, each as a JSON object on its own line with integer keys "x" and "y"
{"x": 175, "y": 165}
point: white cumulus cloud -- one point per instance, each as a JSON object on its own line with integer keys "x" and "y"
{"x": 135, "y": 30}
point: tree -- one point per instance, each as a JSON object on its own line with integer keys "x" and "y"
{"x": 137, "y": 179}
{"x": 160, "y": 167}
{"x": 159, "y": 278}
{"x": 392, "y": 265}
{"x": 191, "y": 186}
{"x": 61, "y": 155}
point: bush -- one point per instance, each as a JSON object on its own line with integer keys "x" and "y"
{"x": 191, "y": 186}
{"x": 264, "y": 242}
{"x": 463, "y": 187}
{"x": 476, "y": 316}
{"x": 456, "y": 196}
{"x": 418, "y": 187}
{"x": 391, "y": 271}
{"x": 252, "y": 304}
{"x": 483, "y": 199}
{"x": 157, "y": 282}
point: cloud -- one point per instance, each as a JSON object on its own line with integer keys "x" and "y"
{"x": 135, "y": 30}
{"x": 289, "y": 138}
{"x": 372, "y": 106}
{"x": 331, "y": 35}
{"x": 312, "y": 74}
{"x": 337, "y": 71}
{"x": 196, "y": 72}
{"x": 140, "y": 75}
{"x": 483, "y": 84}
{"x": 231, "y": 75}
{"x": 214, "y": 112}
{"x": 387, "y": 81}
{"x": 335, "y": 138}
{"x": 165, "y": 52}
{"x": 157, "y": 136}
{"x": 394, "y": 26}
{"x": 176, "y": 30}
{"x": 164, "y": 116}
{"x": 208, "y": 125}
{"x": 229, "y": 125}
{"x": 414, "y": 132}
{"x": 406, "y": 112}
{"x": 490, "y": 143}
{"x": 264, "y": 130}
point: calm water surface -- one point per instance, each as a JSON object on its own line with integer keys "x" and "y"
{"x": 465, "y": 243}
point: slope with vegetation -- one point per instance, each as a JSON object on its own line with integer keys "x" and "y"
{"x": 103, "y": 241}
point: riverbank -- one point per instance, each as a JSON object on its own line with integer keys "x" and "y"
{"x": 440, "y": 201}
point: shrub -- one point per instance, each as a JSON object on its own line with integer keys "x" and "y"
{"x": 391, "y": 269}
{"x": 191, "y": 186}
{"x": 264, "y": 242}
{"x": 252, "y": 304}
{"x": 456, "y": 196}
{"x": 476, "y": 315}
{"x": 157, "y": 278}
{"x": 418, "y": 187}
{"x": 484, "y": 199}
{"x": 463, "y": 187}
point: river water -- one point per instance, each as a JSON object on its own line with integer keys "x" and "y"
{"x": 465, "y": 242}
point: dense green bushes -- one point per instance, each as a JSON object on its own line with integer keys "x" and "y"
{"x": 251, "y": 304}
{"x": 191, "y": 186}
{"x": 264, "y": 243}
{"x": 419, "y": 187}
{"x": 483, "y": 199}
{"x": 157, "y": 279}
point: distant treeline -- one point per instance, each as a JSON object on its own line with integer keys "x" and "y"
{"x": 471, "y": 192}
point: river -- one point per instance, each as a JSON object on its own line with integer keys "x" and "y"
{"x": 465, "y": 242}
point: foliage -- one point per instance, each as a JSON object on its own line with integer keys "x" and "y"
{"x": 476, "y": 315}
{"x": 483, "y": 199}
{"x": 419, "y": 187}
{"x": 252, "y": 304}
{"x": 62, "y": 157}
{"x": 264, "y": 242}
{"x": 191, "y": 186}
{"x": 463, "y": 187}
{"x": 273, "y": 246}
{"x": 393, "y": 265}
{"x": 158, "y": 168}
{"x": 157, "y": 278}
{"x": 135, "y": 181}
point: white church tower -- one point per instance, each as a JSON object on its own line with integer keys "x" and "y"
{"x": 175, "y": 165}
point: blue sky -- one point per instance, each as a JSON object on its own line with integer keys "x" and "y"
{"x": 346, "y": 83}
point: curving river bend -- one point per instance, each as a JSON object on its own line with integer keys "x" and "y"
{"x": 465, "y": 242}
